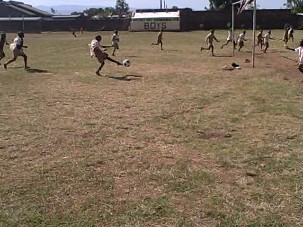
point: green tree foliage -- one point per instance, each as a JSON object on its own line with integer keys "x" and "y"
{"x": 122, "y": 7}
{"x": 53, "y": 11}
{"x": 100, "y": 12}
{"x": 295, "y": 5}
{"x": 75, "y": 13}
{"x": 219, "y": 4}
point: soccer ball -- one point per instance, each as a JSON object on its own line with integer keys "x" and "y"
{"x": 126, "y": 63}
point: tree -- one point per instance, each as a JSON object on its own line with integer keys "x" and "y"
{"x": 122, "y": 7}
{"x": 75, "y": 13}
{"x": 219, "y": 4}
{"x": 295, "y": 5}
{"x": 91, "y": 12}
{"x": 53, "y": 11}
{"x": 175, "y": 7}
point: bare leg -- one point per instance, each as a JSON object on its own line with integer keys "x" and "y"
{"x": 266, "y": 47}
{"x": 99, "y": 69}
{"x": 10, "y": 61}
{"x": 227, "y": 42}
{"x": 112, "y": 60}
{"x": 161, "y": 45}
{"x": 25, "y": 61}
{"x": 113, "y": 54}
{"x": 2, "y": 56}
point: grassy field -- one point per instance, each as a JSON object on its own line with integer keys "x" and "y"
{"x": 173, "y": 140}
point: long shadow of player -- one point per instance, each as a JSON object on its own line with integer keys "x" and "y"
{"x": 128, "y": 77}
{"x": 31, "y": 70}
{"x": 222, "y": 56}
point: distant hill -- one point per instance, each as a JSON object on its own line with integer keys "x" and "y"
{"x": 68, "y": 9}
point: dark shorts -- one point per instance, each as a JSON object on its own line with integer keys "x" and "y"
{"x": 2, "y": 54}
{"x": 101, "y": 56}
{"x": 241, "y": 43}
{"x": 18, "y": 52}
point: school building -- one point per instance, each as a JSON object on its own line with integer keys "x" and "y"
{"x": 16, "y": 16}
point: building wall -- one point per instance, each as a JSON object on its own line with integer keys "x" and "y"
{"x": 266, "y": 19}
{"x": 15, "y": 26}
{"x": 87, "y": 24}
{"x": 190, "y": 20}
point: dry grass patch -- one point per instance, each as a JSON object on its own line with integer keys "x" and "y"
{"x": 171, "y": 141}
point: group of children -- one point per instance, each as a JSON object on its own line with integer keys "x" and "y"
{"x": 16, "y": 47}
{"x": 262, "y": 40}
{"x": 98, "y": 50}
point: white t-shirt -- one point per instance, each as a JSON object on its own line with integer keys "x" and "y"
{"x": 266, "y": 38}
{"x": 17, "y": 41}
{"x": 299, "y": 50}
{"x": 94, "y": 44}
{"x": 115, "y": 38}
{"x": 241, "y": 38}
{"x": 229, "y": 36}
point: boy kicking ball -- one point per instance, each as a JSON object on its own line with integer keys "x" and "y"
{"x": 299, "y": 50}
{"x": 97, "y": 50}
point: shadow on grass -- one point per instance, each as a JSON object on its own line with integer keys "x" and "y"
{"x": 32, "y": 70}
{"x": 222, "y": 56}
{"x": 128, "y": 77}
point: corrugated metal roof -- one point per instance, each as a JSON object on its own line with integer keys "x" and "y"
{"x": 26, "y": 12}
{"x": 20, "y": 18}
{"x": 32, "y": 9}
{"x": 146, "y": 15}
{"x": 66, "y": 16}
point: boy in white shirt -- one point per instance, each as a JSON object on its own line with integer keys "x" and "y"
{"x": 241, "y": 39}
{"x": 97, "y": 50}
{"x": 230, "y": 39}
{"x": 115, "y": 42}
{"x": 266, "y": 38}
{"x": 299, "y": 50}
{"x": 17, "y": 48}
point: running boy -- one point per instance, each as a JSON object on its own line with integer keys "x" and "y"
{"x": 159, "y": 39}
{"x": 97, "y": 50}
{"x": 241, "y": 39}
{"x": 266, "y": 38}
{"x": 17, "y": 48}
{"x": 2, "y": 42}
{"x": 115, "y": 42}
{"x": 229, "y": 39}
{"x": 285, "y": 37}
{"x": 299, "y": 50}
{"x": 291, "y": 34}
{"x": 209, "y": 40}
{"x": 260, "y": 39}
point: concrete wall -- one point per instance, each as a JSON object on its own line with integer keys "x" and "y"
{"x": 190, "y": 20}
{"x": 15, "y": 26}
{"x": 266, "y": 19}
{"x": 88, "y": 25}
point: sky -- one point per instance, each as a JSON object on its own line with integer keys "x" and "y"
{"x": 194, "y": 4}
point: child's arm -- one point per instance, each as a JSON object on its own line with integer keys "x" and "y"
{"x": 292, "y": 49}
